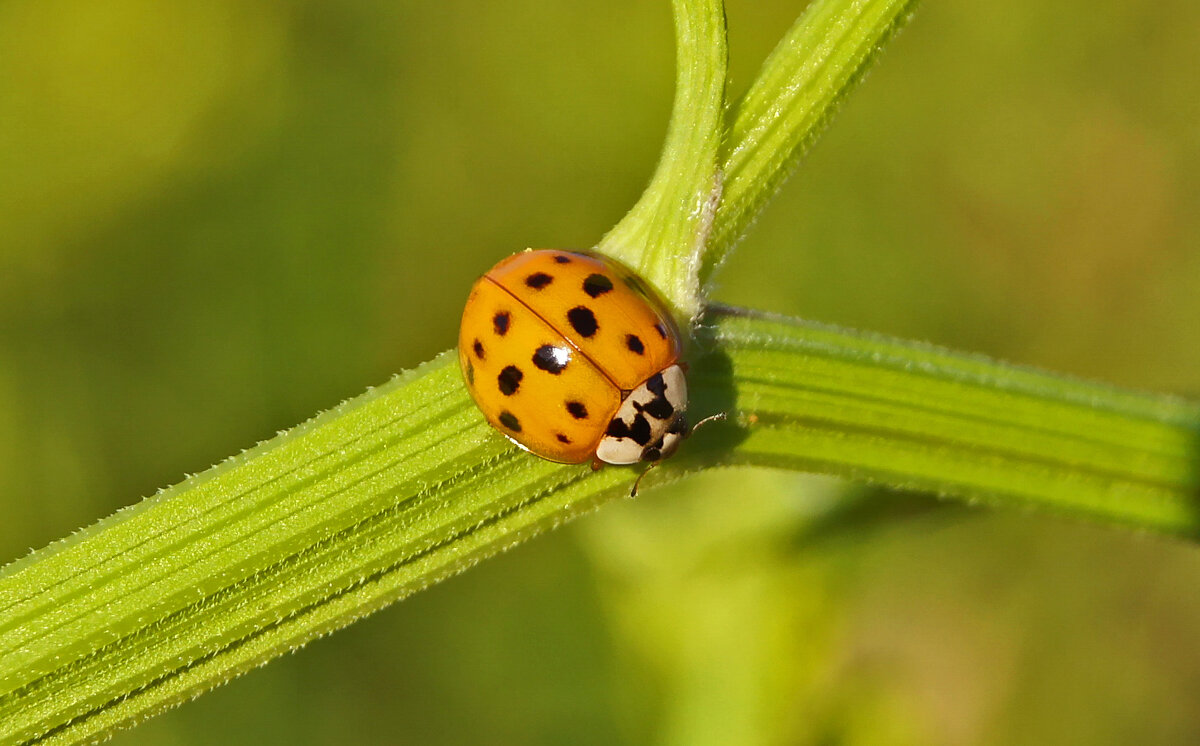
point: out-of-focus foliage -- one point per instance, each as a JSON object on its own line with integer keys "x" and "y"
{"x": 218, "y": 218}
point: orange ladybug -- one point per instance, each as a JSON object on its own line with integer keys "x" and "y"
{"x": 573, "y": 358}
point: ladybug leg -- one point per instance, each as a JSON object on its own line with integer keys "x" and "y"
{"x": 596, "y": 463}
{"x": 636, "y": 482}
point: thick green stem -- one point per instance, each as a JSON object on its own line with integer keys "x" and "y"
{"x": 911, "y": 415}
{"x": 406, "y": 485}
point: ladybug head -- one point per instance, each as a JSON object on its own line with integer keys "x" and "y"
{"x": 650, "y": 421}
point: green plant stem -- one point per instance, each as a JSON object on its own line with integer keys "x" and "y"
{"x": 406, "y": 485}
{"x": 800, "y": 87}
{"x": 910, "y": 415}
{"x": 663, "y": 235}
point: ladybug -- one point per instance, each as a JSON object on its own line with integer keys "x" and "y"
{"x": 573, "y": 358}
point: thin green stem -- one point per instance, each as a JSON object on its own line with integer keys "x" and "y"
{"x": 800, "y": 87}
{"x": 664, "y": 234}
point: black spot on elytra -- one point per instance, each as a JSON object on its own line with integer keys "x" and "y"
{"x": 551, "y": 359}
{"x": 634, "y": 343}
{"x": 510, "y": 421}
{"x": 562, "y": 259}
{"x": 500, "y": 322}
{"x": 639, "y": 432}
{"x": 662, "y": 330}
{"x": 478, "y": 348}
{"x": 563, "y": 439}
{"x": 538, "y": 280}
{"x": 597, "y": 285}
{"x": 510, "y": 380}
{"x": 470, "y": 374}
{"x": 577, "y": 410}
{"x": 583, "y": 321}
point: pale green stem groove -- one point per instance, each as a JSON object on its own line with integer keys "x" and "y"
{"x": 407, "y": 485}
{"x": 663, "y": 236}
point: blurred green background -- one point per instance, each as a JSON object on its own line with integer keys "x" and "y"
{"x": 218, "y": 217}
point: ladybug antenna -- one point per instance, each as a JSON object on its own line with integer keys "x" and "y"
{"x": 718, "y": 417}
{"x": 711, "y": 418}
